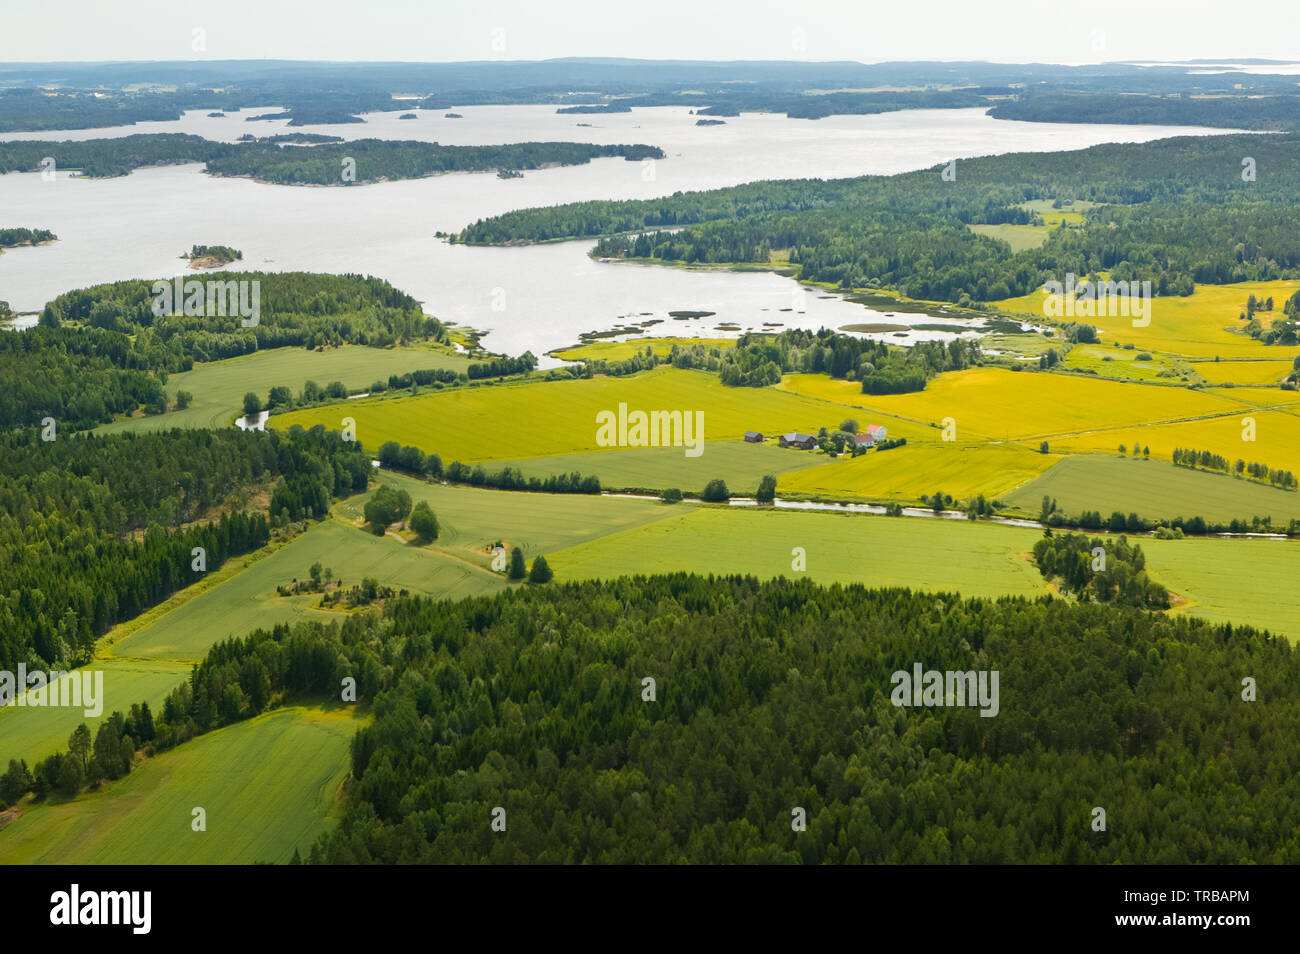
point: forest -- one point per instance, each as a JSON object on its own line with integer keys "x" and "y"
{"x": 80, "y": 376}
{"x": 775, "y": 696}
{"x": 1175, "y": 212}
{"x": 758, "y": 360}
{"x": 383, "y": 159}
{"x": 296, "y": 309}
{"x": 95, "y": 530}
{"x": 276, "y": 160}
{"x": 1279, "y": 111}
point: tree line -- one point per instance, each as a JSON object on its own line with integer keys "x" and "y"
{"x": 1208, "y": 460}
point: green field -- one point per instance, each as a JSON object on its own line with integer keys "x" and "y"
{"x": 740, "y": 464}
{"x": 1232, "y": 581}
{"x": 1019, "y": 237}
{"x": 1156, "y": 490}
{"x": 219, "y": 386}
{"x": 1123, "y": 365}
{"x": 930, "y": 554}
{"x": 32, "y": 734}
{"x": 471, "y": 519}
{"x": 1238, "y": 581}
{"x": 267, "y": 785}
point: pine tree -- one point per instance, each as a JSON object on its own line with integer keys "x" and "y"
{"x": 516, "y": 571}
{"x": 541, "y": 571}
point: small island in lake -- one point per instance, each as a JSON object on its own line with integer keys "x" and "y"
{"x": 407, "y": 116}
{"x": 452, "y": 116}
{"x": 710, "y": 122}
{"x": 12, "y": 238}
{"x": 596, "y": 108}
{"x": 509, "y": 174}
{"x": 212, "y": 256}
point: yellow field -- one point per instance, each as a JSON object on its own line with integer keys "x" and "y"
{"x": 622, "y": 350}
{"x": 543, "y": 418}
{"x": 1197, "y": 326}
{"x": 999, "y": 404}
{"x": 1277, "y": 438}
{"x": 1243, "y": 372}
{"x": 905, "y": 473}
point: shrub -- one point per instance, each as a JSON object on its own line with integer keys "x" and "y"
{"x": 716, "y": 491}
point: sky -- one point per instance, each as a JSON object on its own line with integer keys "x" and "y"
{"x": 1011, "y": 31}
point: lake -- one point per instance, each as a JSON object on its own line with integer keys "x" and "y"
{"x": 528, "y": 298}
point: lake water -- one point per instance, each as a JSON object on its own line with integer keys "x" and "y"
{"x": 528, "y": 298}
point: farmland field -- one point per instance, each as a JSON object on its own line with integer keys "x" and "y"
{"x": 1204, "y": 324}
{"x": 904, "y": 473}
{"x": 1243, "y": 372}
{"x": 33, "y": 733}
{"x": 931, "y": 554}
{"x": 1155, "y": 490}
{"x": 502, "y": 422}
{"x": 1232, "y": 581}
{"x": 740, "y": 464}
{"x": 470, "y": 519}
{"x": 1122, "y": 364}
{"x": 267, "y": 786}
{"x": 1019, "y": 237}
{"x": 1276, "y": 443}
{"x": 1242, "y": 581}
{"x": 219, "y": 386}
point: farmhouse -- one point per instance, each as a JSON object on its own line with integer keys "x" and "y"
{"x": 870, "y": 436}
{"x": 795, "y": 439}
{"x": 753, "y": 437}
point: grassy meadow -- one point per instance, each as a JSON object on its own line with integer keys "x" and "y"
{"x": 267, "y": 786}
{"x": 219, "y": 386}
{"x": 1154, "y": 489}
{"x": 931, "y": 554}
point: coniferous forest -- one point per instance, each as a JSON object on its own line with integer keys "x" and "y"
{"x": 771, "y": 697}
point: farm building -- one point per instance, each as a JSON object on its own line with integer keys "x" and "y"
{"x": 795, "y": 439}
{"x": 754, "y": 437}
{"x": 869, "y": 438}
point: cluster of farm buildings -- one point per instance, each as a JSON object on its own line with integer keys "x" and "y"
{"x": 868, "y": 438}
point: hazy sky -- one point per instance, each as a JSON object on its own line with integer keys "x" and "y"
{"x": 867, "y": 30}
